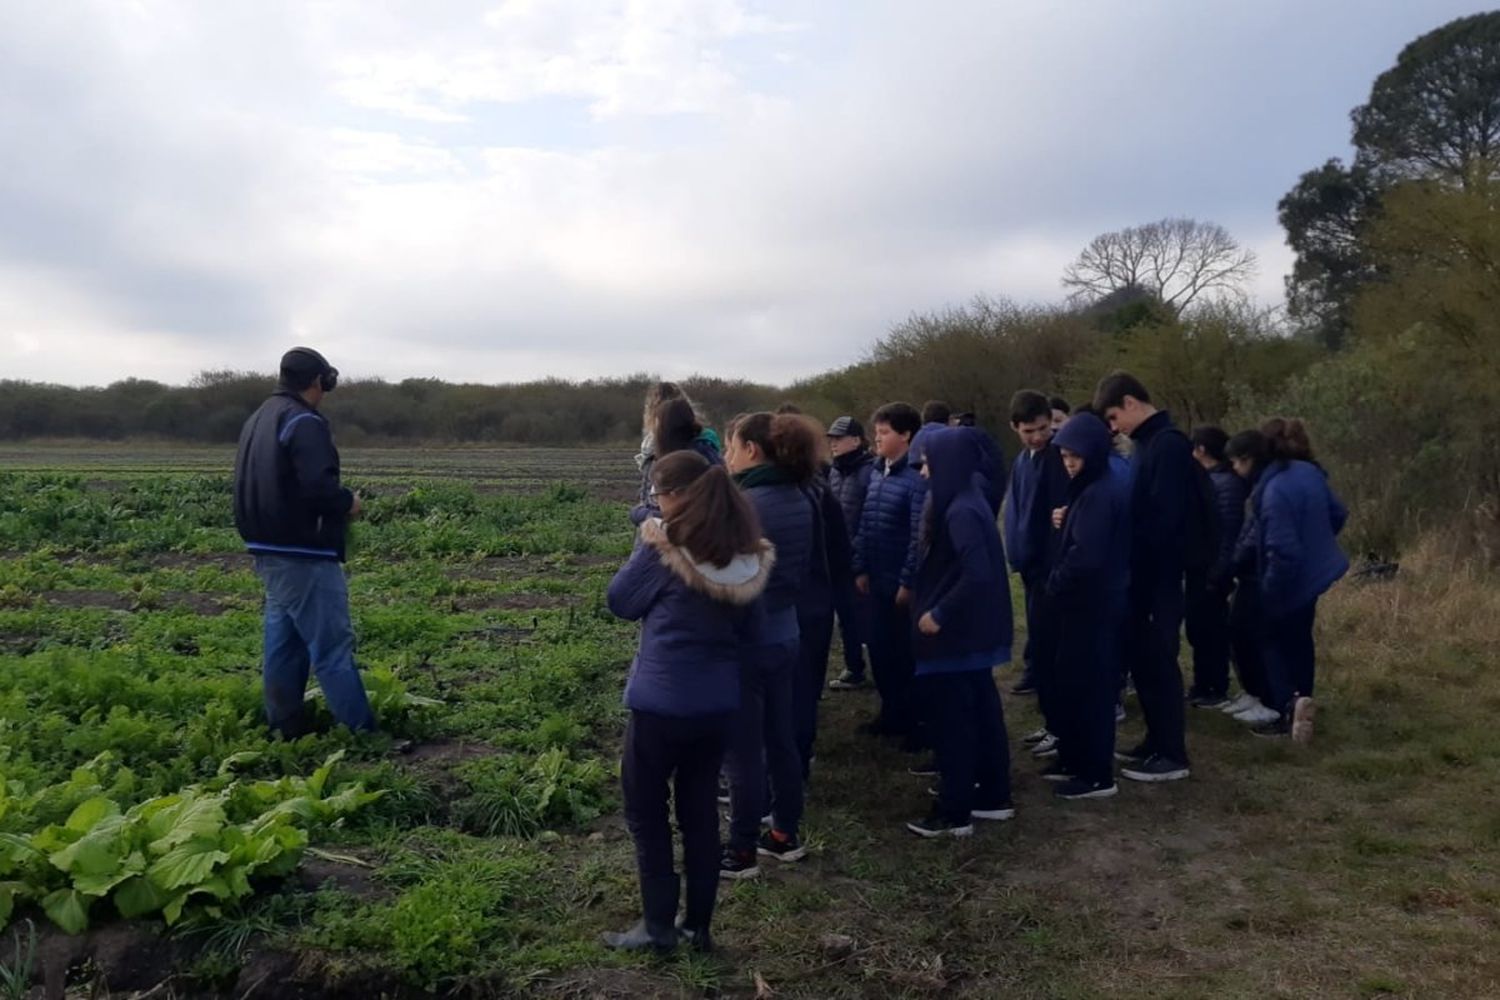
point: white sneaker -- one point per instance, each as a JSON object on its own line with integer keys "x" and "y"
{"x": 1046, "y": 748}
{"x": 1244, "y": 701}
{"x": 1257, "y": 714}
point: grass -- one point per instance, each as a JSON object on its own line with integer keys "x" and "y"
{"x": 1366, "y": 865}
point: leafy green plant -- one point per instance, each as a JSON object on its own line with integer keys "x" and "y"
{"x": 512, "y": 797}
{"x": 15, "y": 980}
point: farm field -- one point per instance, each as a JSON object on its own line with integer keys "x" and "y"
{"x": 135, "y": 779}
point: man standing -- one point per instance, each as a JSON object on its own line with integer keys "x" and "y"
{"x": 1164, "y": 489}
{"x": 292, "y": 512}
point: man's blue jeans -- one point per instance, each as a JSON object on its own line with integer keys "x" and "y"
{"x": 307, "y": 626}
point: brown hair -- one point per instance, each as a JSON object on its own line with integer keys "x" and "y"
{"x": 1288, "y": 439}
{"x": 676, "y": 426}
{"x": 789, "y": 441}
{"x": 717, "y": 523}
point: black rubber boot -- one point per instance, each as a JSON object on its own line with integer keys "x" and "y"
{"x": 701, "y": 895}
{"x": 657, "y": 929}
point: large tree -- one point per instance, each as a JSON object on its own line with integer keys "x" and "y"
{"x": 1177, "y": 261}
{"x": 1434, "y": 115}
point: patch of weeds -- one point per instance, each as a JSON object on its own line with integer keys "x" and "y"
{"x": 517, "y": 798}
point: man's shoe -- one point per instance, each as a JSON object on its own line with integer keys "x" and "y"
{"x": 936, "y": 826}
{"x": 1214, "y": 701}
{"x": 1003, "y": 811}
{"x": 1077, "y": 788}
{"x": 1032, "y": 739}
{"x": 775, "y": 844}
{"x": 1026, "y": 685}
{"x": 1135, "y": 755}
{"x": 1046, "y": 748}
{"x": 738, "y": 865}
{"x": 1056, "y": 772}
{"x": 1258, "y": 714}
{"x": 847, "y": 681}
{"x": 1273, "y": 729}
{"x": 641, "y": 937}
{"x": 1304, "y": 711}
{"x": 1156, "y": 769}
{"x": 926, "y": 769}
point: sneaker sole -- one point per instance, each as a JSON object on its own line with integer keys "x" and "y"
{"x": 1098, "y": 793}
{"x": 1125, "y": 758}
{"x": 1156, "y": 779}
{"x": 796, "y": 855}
{"x": 957, "y": 831}
{"x": 994, "y": 814}
{"x": 741, "y": 876}
{"x": 1058, "y": 777}
{"x": 1044, "y": 754}
{"x": 1304, "y": 713}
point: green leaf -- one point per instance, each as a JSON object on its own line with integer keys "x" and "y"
{"x": 138, "y": 897}
{"x": 234, "y": 760}
{"x": 186, "y": 864}
{"x": 68, "y": 909}
{"x": 96, "y": 852}
{"x": 193, "y": 817}
{"x": 8, "y": 893}
{"x": 320, "y": 776}
{"x": 88, "y": 814}
{"x": 171, "y": 911}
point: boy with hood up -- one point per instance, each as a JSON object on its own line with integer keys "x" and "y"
{"x": 1086, "y": 596}
{"x": 961, "y": 604}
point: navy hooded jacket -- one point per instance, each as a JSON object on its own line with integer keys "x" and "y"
{"x": 962, "y": 580}
{"x": 697, "y": 621}
{"x": 1093, "y": 553}
{"x": 1165, "y": 483}
{"x": 787, "y": 515}
{"x": 886, "y": 544}
{"x": 989, "y": 476}
{"x": 849, "y": 478}
{"x": 1298, "y": 520}
{"x": 1038, "y": 485}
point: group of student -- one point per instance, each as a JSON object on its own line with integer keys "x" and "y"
{"x": 1118, "y": 525}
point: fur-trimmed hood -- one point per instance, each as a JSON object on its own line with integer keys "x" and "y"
{"x": 740, "y": 582}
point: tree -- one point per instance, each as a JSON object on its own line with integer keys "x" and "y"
{"x": 1324, "y": 216}
{"x": 1436, "y": 113}
{"x": 1176, "y": 260}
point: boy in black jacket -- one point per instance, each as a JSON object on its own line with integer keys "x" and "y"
{"x": 1165, "y": 485}
{"x": 1208, "y": 589}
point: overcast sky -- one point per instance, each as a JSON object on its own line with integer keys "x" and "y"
{"x": 511, "y": 189}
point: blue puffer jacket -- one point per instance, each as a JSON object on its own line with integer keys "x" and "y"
{"x": 886, "y": 544}
{"x": 962, "y": 580}
{"x": 697, "y": 623}
{"x": 704, "y": 444}
{"x": 1298, "y": 521}
{"x": 787, "y": 515}
{"x": 849, "y": 478}
{"x": 1230, "y": 493}
{"x": 1093, "y": 554}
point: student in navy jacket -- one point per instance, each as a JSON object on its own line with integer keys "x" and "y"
{"x": 773, "y": 458}
{"x": 675, "y": 427}
{"x": 694, "y": 582}
{"x": 1249, "y": 453}
{"x": 1038, "y": 484}
{"x": 1165, "y": 483}
{"x": 1208, "y": 589}
{"x": 961, "y": 604}
{"x": 1298, "y": 520}
{"x": 1086, "y": 593}
{"x": 830, "y": 573}
{"x": 849, "y": 479}
{"x": 886, "y": 552}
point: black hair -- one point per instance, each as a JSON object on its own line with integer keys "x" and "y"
{"x": 788, "y": 408}
{"x": 902, "y": 418}
{"x": 1113, "y": 389}
{"x": 1028, "y": 405}
{"x": 1058, "y": 403}
{"x": 935, "y": 411}
{"x": 676, "y": 426}
{"x": 1212, "y": 440}
{"x": 1249, "y": 444}
{"x": 965, "y": 419}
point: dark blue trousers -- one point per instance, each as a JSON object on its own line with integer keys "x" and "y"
{"x": 1247, "y": 640}
{"x": 815, "y": 639}
{"x": 1207, "y": 621}
{"x": 967, "y": 727}
{"x": 1042, "y": 631}
{"x": 893, "y": 663}
{"x": 762, "y": 745}
{"x": 1087, "y": 671}
{"x": 853, "y": 625}
{"x": 1291, "y": 656}
{"x": 1154, "y": 640}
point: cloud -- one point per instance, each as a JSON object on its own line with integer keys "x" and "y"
{"x": 506, "y": 191}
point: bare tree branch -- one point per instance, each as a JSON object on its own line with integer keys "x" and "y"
{"x": 1176, "y": 260}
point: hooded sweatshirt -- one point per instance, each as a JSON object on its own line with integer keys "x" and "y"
{"x": 696, "y": 623}
{"x": 1093, "y": 553}
{"x": 962, "y": 579}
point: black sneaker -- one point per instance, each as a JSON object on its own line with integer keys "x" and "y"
{"x": 1024, "y": 686}
{"x": 926, "y": 769}
{"x": 936, "y": 826}
{"x": 1155, "y": 769}
{"x": 1056, "y": 772}
{"x": 1208, "y": 700}
{"x": 1077, "y": 788}
{"x": 738, "y": 865}
{"x": 847, "y": 681}
{"x": 1135, "y": 755}
{"x": 773, "y": 846}
{"x": 1032, "y": 739}
{"x": 1273, "y": 730}
{"x": 1003, "y": 811}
